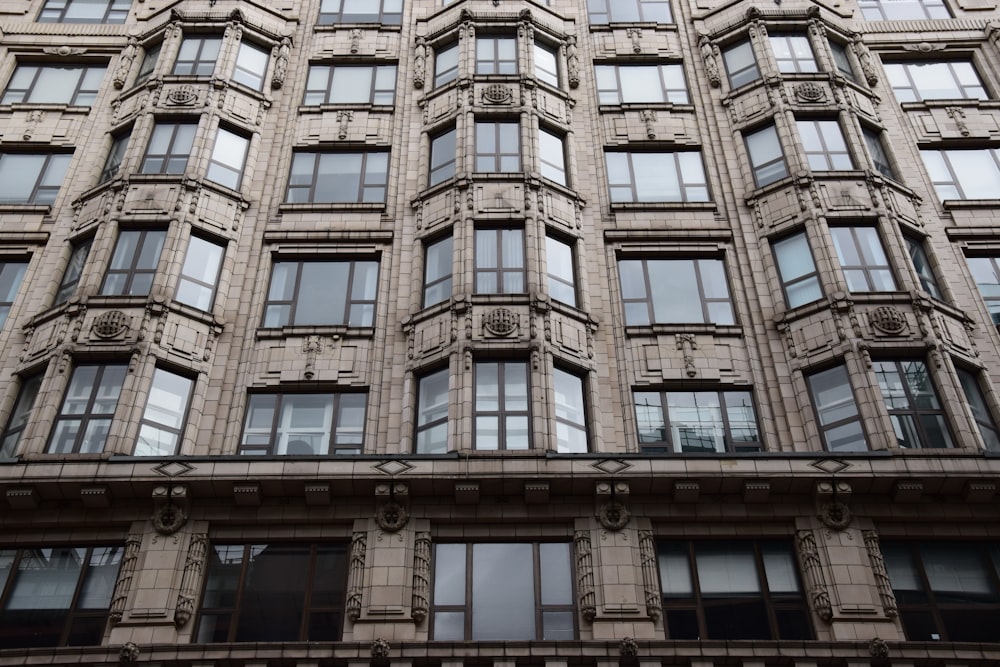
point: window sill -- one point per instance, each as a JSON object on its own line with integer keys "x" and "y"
{"x": 970, "y": 203}
{"x": 333, "y": 330}
{"x": 652, "y": 25}
{"x": 333, "y": 26}
{"x": 663, "y": 205}
{"x": 346, "y": 106}
{"x": 941, "y": 103}
{"x": 26, "y": 207}
{"x": 38, "y": 106}
{"x": 330, "y": 206}
{"x": 635, "y": 330}
{"x": 643, "y": 106}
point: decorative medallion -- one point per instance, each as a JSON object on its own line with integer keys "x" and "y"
{"x": 497, "y": 94}
{"x": 129, "y": 654}
{"x": 169, "y": 518}
{"x": 810, "y": 92}
{"x": 888, "y": 320}
{"x": 628, "y": 647}
{"x": 613, "y": 515}
{"x": 110, "y": 324}
{"x": 391, "y": 516}
{"x": 182, "y": 96}
{"x": 501, "y": 322}
{"x": 835, "y": 515}
{"x": 380, "y": 648}
{"x": 877, "y": 648}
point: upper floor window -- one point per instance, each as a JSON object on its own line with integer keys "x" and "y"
{"x": 641, "y": 84}
{"x": 501, "y": 416}
{"x": 148, "y": 64}
{"x": 824, "y": 145}
{"x": 552, "y": 156}
{"x": 629, "y": 11}
{"x": 862, "y": 259}
{"x": 304, "y": 424}
{"x": 197, "y": 56}
{"x": 200, "y": 273}
{"x": 901, "y": 10}
{"x": 946, "y": 80}
{"x": 11, "y": 274}
{"x": 841, "y": 60}
{"x": 432, "y": 413}
{"x": 731, "y": 589}
{"x": 85, "y": 11}
{"x": 741, "y": 63}
{"x": 696, "y": 421}
{"x": 980, "y": 409}
{"x": 837, "y": 411}
{"x": 797, "y": 268}
{"x": 500, "y": 267}
{"x": 546, "y": 63}
{"x": 57, "y": 595}
{"x": 119, "y": 144}
{"x": 675, "y": 291}
{"x": 445, "y": 64}
{"x": 300, "y": 294}
{"x": 498, "y": 147}
{"x": 964, "y": 174}
{"x": 133, "y": 264}
{"x": 571, "y": 413}
{"x": 162, "y": 423}
{"x": 31, "y": 178}
{"x": 338, "y": 178}
{"x": 169, "y": 148}
{"x": 922, "y": 265}
{"x": 387, "y": 12}
{"x": 84, "y": 419}
{"x": 496, "y": 55}
{"x": 54, "y": 84}
{"x": 561, "y": 270}
{"x": 916, "y": 413}
{"x": 793, "y": 53}
{"x": 986, "y": 273}
{"x": 766, "y": 157}
{"x": 273, "y": 592}
{"x": 946, "y": 591}
{"x": 20, "y": 415}
{"x": 438, "y": 259}
{"x": 498, "y": 591}
{"x": 74, "y": 269}
{"x": 443, "y": 157}
{"x": 656, "y": 177}
{"x": 876, "y": 151}
{"x": 350, "y": 84}
{"x": 251, "y": 65}
{"x": 229, "y": 156}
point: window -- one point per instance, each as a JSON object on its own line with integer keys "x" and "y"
{"x": 251, "y": 65}
{"x": 964, "y": 174}
{"x": 442, "y": 157}
{"x": 229, "y": 156}
{"x": 629, "y": 11}
{"x": 85, "y": 11}
{"x": 731, "y": 590}
{"x": 56, "y": 595}
{"x": 273, "y": 592}
{"x": 200, "y": 273}
{"x": 899, "y": 10}
{"x": 498, "y": 147}
{"x": 552, "y": 156}
{"x": 162, "y": 423}
{"x": 432, "y": 413}
{"x": 675, "y": 291}
{"x": 980, "y": 410}
{"x": 197, "y": 56}
{"x": 766, "y": 156}
{"x": 304, "y": 424}
{"x": 438, "y": 259}
{"x": 113, "y": 163}
{"x": 741, "y": 64}
{"x": 946, "y": 591}
{"x": 496, "y": 55}
{"x": 842, "y": 61}
{"x": 948, "y": 80}
{"x": 561, "y": 270}
{"x": 54, "y": 84}
{"x": 793, "y": 53}
{"x": 799, "y": 278}
{"x": 503, "y": 591}
{"x": 922, "y": 265}
{"x": 71, "y": 276}
{"x": 862, "y": 259}
{"x": 877, "y": 152}
{"x": 656, "y": 177}
{"x": 350, "y": 84}
{"x": 169, "y": 148}
{"x": 133, "y": 264}
{"x": 986, "y": 273}
{"x": 824, "y": 145}
{"x": 571, "y": 413}
{"x": 31, "y": 178}
{"x": 11, "y": 274}
{"x": 445, "y": 64}
{"x": 89, "y": 404}
{"x": 388, "y": 12}
{"x": 641, "y": 84}
{"x": 914, "y": 409}
{"x": 148, "y": 65}
{"x": 19, "y": 416}
{"x": 501, "y": 405}
{"x": 338, "y": 178}
{"x": 546, "y": 63}
{"x": 500, "y": 261}
{"x": 300, "y": 294}
{"x": 696, "y": 421}
{"x": 839, "y": 419}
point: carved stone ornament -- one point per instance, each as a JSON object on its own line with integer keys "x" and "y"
{"x": 110, "y": 324}
{"x": 380, "y": 648}
{"x": 182, "y": 96}
{"x": 169, "y": 518}
{"x": 810, "y": 92}
{"x": 888, "y": 320}
{"x": 613, "y": 515}
{"x": 391, "y": 516}
{"x": 501, "y": 322}
{"x": 628, "y": 647}
{"x": 497, "y": 94}
{"x": 835, "y": 515}
{"x": 129, "y": 655}
{"x": 877, "y": 648}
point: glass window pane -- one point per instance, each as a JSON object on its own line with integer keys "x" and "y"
{"x": 503, "y": 592}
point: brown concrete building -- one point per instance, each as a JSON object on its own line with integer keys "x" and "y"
{"x": 505, "y": 333}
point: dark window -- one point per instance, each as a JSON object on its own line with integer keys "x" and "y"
{"x": 350, "y": 84}
{"x": 338, "y": 178}
{"x": 877, "y": 152}
{"x": 901, "y": 10}
{"x": 304, "y": 424}
{"x": 922, "y": 265}
{"x": 842, "y": 61}
{"x": 641, "y": 84}
{"x": 943, "y": 80}
{"x": 498, "y": 147}
{"x": 85, "y": 11}
{"x": 918, "y": 418}
{"x": 443, "y": 154}
{"x": 133, "y": 264}
{"x": 251, "y": 65}
{"x": 432, "y": 413}
{"x": 148, "y": 65}
{"x": 837, "y": 411}
{"x": 496, "y": 55}
{"x": 87, "y": 409}
{"x": 54, "y": 84}
{"x": 197, "y": 56}
{"x": 731, "y": 590}
{"x": 229, "y": 156}
{"x": 793, "y": 53}
{"x": 445, "y": 64}
{"x": 671, "y": 291}
{"x": 31, "y": 178}
{"x": 561, "y": 270}
{"x": 862, "y": 259}
{"x": 696, "y": 421}
{"x": 980, "y": 410}
{"x": 799, "y": 278}
{"x": 388, "y": 12}
{"x": 656, "y": 177}
{"x": 499, "y": 591}
{"x": 500, "y": 265}
{"x": 438, "y": 259}
{"x": 56, "y": 596}
{"x": 501, "y": 405}
{"x": 119, "y": 144}
{"x": 741, "y": 64}
{"x": 162, "y": 423}
{"x": 200, "y": 273}
{"x": 20, "y": 414}
{"x": 169, "y": 148}
{"x": 571, "y": 413}
{"x": 629, "y": 11}
{"x": 74, "y": 269}
{"x": 302, "y": 294}
{"x": 11, "y": 275}
{"x": 766, "y": 157}
{"x": 273, "y": 593}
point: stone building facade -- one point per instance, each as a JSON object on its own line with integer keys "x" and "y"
{"x": 658, "y": 332}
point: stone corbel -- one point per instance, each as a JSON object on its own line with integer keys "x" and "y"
{"x": 831, "y": 504}
{"x": 611, "y": 510}
{"x": 170, "y": 508}
{"x": 392, "y": 515}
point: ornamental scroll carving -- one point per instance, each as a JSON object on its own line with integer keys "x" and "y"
{"x": 124, "y": 583}
{"x": 281, "y": 64}
{"x": 356, "y": 574}
{"x": 882, "y": 582}
{"x": 711, "y": 62}
{"x": 194, "y": 564}
{"x": 647, "y": 553}
{"x": 812, "y": 570}
{"x": 421, "y": 576}
{"x": 585, "y": 575}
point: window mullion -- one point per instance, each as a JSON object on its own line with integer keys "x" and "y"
{"x": 75, "y": 600}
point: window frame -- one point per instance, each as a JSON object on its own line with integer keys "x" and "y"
{"x": 495, "y": 63}
{"x": 77, "y": 95}
{"x": 626, "y": 92}
{"x": 502, "y": 269}
{"x": 679, "y": 186}
{"x": 572, "y": 417}
{"x": 356, "y": 274}
{"x": 70, "y": 280}
{"x": 497, "y": 152}
{"x": 561, "y": 281}
{"x": 947, "y": 160}
{"x": 429, "y": 418}
{"x": 670, "y": 445}
{"x": 698, "y": 266}
{"x": 141, "y": 264}
{"x": 642, "y": 7}
{"x": 188, "y": 275}
{"x": 550, "y": 168}
{"x": 149, "y": 413}
{"x": 980, "y": 409}
{"x": 512, "y": 386}
{"x": 282, "y": 427}
{"x": 117, "y": 12}
{"x": 199, "y": 63}
{"x": 116, "y": 156}
{"x": 20, "y": 414}
{"x": 150, "y": 59}
{"x": 740, "y": 74}
{"x": 432, "y": 282}
{"x": 441, "y": 170}
{"x": 877, "y": 153}
{"x": 449, "y": 73}
{"x": 992, "y": 299}
{"x": 546, "y": 70}
{"x": 920, "y": 406}
{"x": 382, "y": 16}
{"x": 224, "y": 170}
{"x": 921, "y": 264}
{"x": 827, "y": 427}
{"x": 876, "y": 272}
{"x": 12, "y": 272}
{"x": 371, "y": 182}
{"x": 88, "y": 416}
{"x": 180, "y": 136}
{"x": 828, "y": 132}
{"x": 762, "y": 165}
{"x": 788, "y": 55}
{"x": 874, "y": 10}
{"x": 42, "y": 193}
{"x": 802, "y": 279}
{"x": 328, "y": 71}
{"x": 245, "y": 72}
{"x": 915, "y": 93}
